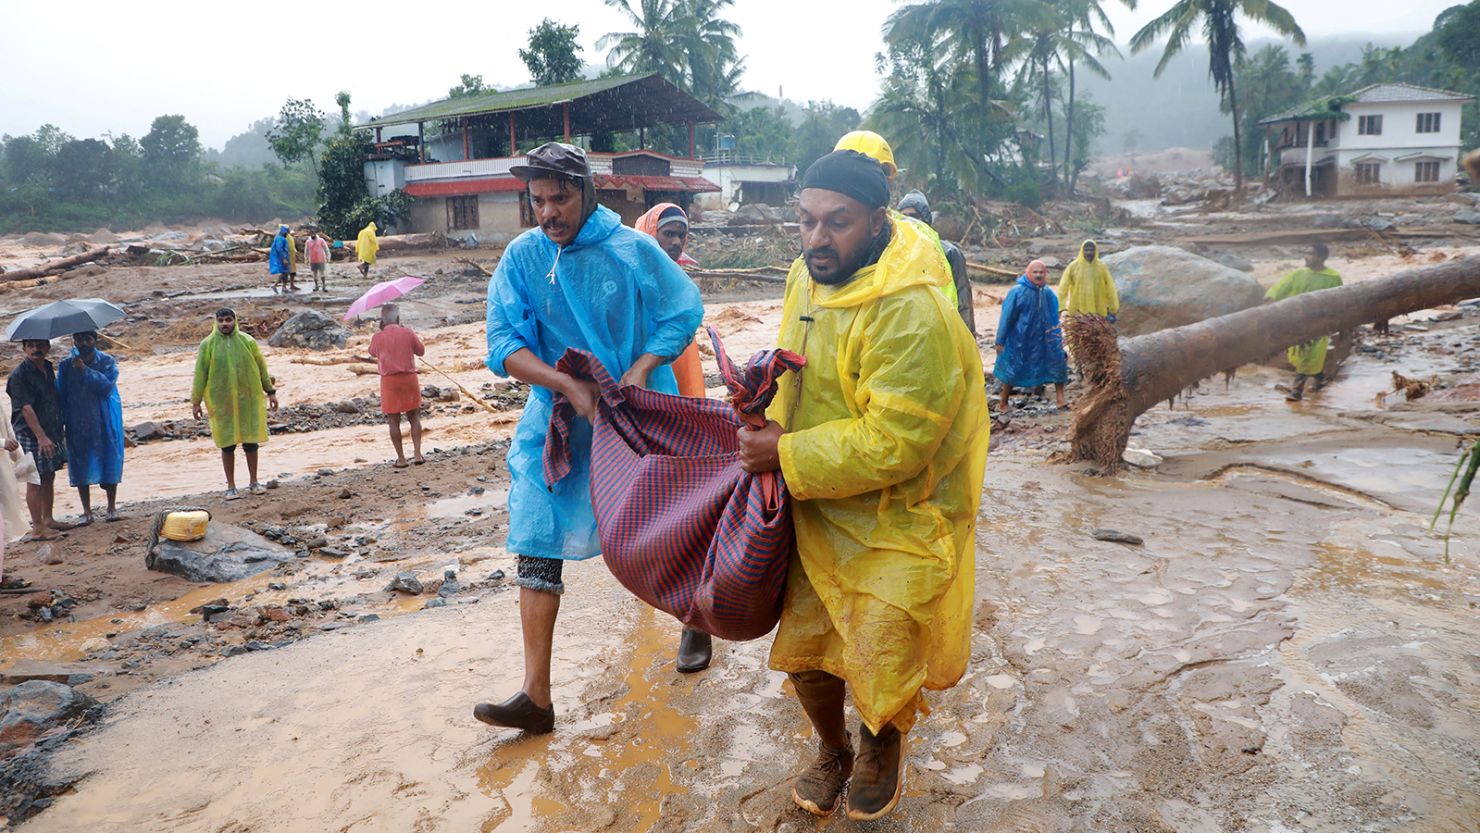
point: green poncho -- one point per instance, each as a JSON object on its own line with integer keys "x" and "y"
{"x": 231, "y": 378}
{"x": 1309, "y": 359}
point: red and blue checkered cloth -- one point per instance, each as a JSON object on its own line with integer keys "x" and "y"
{"x": 681, "y": 525}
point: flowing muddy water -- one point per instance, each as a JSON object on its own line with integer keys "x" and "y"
{"x": 1289, "y": 651}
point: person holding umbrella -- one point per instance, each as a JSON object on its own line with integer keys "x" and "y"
{"x": 231, "y": 379}
{"x": 92, "y": 416}
{"x": 36, "y": 416}
{"x": 394, "y": 350}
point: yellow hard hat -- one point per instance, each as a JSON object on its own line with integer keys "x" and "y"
{"x": 872, "y": 145}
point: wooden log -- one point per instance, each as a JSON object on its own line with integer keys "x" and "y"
{"x": 55, "y": 266}
{"x": 482, "y": 270}
{"x": 761, "y": 275}
{"x": 1129, "y": 378}
{"x": 993, "y": 270}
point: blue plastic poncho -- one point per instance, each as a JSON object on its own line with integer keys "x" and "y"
{"x": 93, "y": 416}
{"x": 615, "y": 294}
{"x": 1030, "y": 345}
{"x": 277, "y": 256}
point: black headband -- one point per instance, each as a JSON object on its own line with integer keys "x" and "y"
{"x": 851, "y": 174}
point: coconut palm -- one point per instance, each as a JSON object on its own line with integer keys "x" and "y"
{"x": 1218, "y": 20}
{"x": 1081, "y": 45}
{"x": 983, "y": 32}
{"x": 652, "y": 45}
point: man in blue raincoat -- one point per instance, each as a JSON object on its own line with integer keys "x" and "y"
{"x": 1030, "y": 346}
{"x": 581, "y": 280}
{"x": 280, "y": 259}
{"x": 93, "y": 415}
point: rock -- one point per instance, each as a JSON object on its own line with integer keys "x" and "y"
{"x": 1162, "y": 287}
{"x": 213, "y": 245}
{"x": 345, "y": 494}
{"x": 41, "y": 239}
{"x": 1379, "y": 224}
{"x": 347, "y": 406}
{"x": 1468, "y": 217}
{"x": 496, "y": 575}
{"x": 1233, "y": 261}
{"x": 315, "y": 540}
{"x": 332, "y": 552}
{"x": 148, "y": 431}
{"x": 86, "y": 270}
{"x": 1141, "y": 458}
{"x": 405, "y": 582}
{"x": 1115, "y": 536}
{"x": 312, "y": 330}
{"x": 431, "y": 391}
{"x": 33, "y": 707}
{"x": 96, "y": 645}
{"x": 103, "y": 235}
{"x": 438, "y": 602}
{"x": 227, "y": 553}
{"x": 69, "y": 673}
{"x": 448, "y": 395}
{"x": 274, "y": 613}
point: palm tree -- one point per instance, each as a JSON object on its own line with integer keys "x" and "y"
{"x": 653, "y": 43}
{"x": 1083, "y": 45}
{"x": 1218, "y": 19}
{"x": 708, "y": 40}
{"x": 981, "y": 31}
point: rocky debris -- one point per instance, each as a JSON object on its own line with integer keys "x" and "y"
{"x": 1233, "y": 261}
{"x": 310, "y": 329}
{"x": 1141, "y": 458}
{"x": 1115, "y": 536}
{"x": 48, "y": 605}
{"x": 227, "y": 553}
{"x": 35, "y": 707}
{"x": 437, "y": 602}
{"x": 405, "y": 582}
{"x": 67, "y": 673}
{"x": 1162, "y": 287}
{"x": 1468, "y": 217}
{"x": 103, "y": 237}
{"x": 148, "y": 431}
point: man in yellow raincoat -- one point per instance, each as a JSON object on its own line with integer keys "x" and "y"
{"x": 1308, "y": 359}
{"x": 366, "y": 245}
{"x": 231, "y": 379}
{"x": 882, "y": 441}
{"x": 1086, "y": 286}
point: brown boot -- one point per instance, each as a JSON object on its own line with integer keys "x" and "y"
{"x": 518, "y": 712}
{"x": 819, "y": 787}
{"x": 879, "y": 779}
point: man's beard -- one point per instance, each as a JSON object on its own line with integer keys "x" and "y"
{"x": 847, "y": 269}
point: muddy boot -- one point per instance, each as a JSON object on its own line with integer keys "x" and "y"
{"x": 879, "y": 780}
{"x": 820, "y": 786}
{"x": 1318, "y": 382}
{"x": 1297, "y": 390}
{"x": 695, "y": 648}
{"x": 517, "y": 712}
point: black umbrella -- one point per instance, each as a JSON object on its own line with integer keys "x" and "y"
{"x": 63, "y": 318}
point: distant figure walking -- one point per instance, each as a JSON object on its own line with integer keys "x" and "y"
{"x": 316, "y": 249}
{"x": 279, "y": 260}
{"x": 1086, "y": 287}
{"x": 394, "y": 350}
{"x": 1030, "y": 346}
{"x": 92, "y": 414}
{"x": 231, "y": 379}
{"x": 366, "y": 245}
{"x": 1308, "y": 359}
{"x": 36, "y": 416}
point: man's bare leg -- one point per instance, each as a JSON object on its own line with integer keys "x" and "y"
{"x": 414, "y": 417}
{"x": 84, "y": 496}
{"x": 228, "y": 465}
{"x": 1058, "y": 395}
{"x": 1002, "y": 401}
{"x": 394, "y": 421}
{"x": 251, "y": 468}
{"x": 537, "y": 612}
{"x": 39, "y": 529}
{"x": 111, "y": 490}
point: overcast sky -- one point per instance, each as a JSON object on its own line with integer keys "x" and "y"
{"x": 96, "y": 67}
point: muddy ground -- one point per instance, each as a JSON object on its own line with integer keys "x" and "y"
{"x": 1289, "y": 650}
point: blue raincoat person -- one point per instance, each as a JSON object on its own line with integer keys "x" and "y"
{"x": 279, "y": 258}
{"x": 1030, "y": 345}
{"x": 87, "y": 383}
{"x": 580, "y": 280}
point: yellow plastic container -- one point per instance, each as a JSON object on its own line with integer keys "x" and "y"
{"x": 185, "y": 526}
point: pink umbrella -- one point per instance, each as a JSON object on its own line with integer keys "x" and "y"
{"x": 383, "y": 293}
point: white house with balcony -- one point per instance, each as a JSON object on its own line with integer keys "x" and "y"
{"x": 1380, "y": 140}
{"x": 460, "y": 174}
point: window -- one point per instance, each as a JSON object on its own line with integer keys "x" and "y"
{"x": 1426, "y": 171}
{"x": 462, "y": 213}
{"x": 526, "y": 211}
{"x": 1428, "y": 122}
{"x": 1369, "y": 173}
{"x": 1369, "y": 125}
{"x": 1321, "y": 133}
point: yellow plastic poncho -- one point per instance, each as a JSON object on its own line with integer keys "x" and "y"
{"x": 292, "y": 253}
{"x": 367, "y": 244}
{"x": 231, "y": 378}
{"x": 1308, "y": 359}
{"x": 886, "y": 444}
{"x": 1086, "y": 287}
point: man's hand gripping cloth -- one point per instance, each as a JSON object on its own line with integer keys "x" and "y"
{"x": 681, "y": 524}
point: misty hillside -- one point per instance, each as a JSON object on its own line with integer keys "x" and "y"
{"x": 1180, "y": 109}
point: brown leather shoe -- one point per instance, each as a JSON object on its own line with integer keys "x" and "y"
{"x": 820, "y": 785}
{"x": 518, "y": 712}
{"x": 695, "y": 648}
{"x": 878, "y": 780}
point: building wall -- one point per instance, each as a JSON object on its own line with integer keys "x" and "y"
{"x": 729, "y": 178}
{"x": 498, "y": 218}
{"x": 1397, "y": 174}
{"x": 384, "y": 176}
{"x": 1400, "y": 126}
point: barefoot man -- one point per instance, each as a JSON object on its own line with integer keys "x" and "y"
{"x": 882, "y": 441}
{"x": 583, "y": 280}
{"x": 92, "y": 414}
{"x": 394, "y": 350}
{"x": 231, "y": 379}
{"x": 1030, "y": 345}
{"x": 36, "y": 416}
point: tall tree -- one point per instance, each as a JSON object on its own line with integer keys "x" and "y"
{"x": 171, "y": 151}
{"x": 652, "y": 44}
{"x": 552, "y": 56}
{"x": 469, "y": 85}
{"x": 1218, "y": 20}
{"x": 297, "y": 133}
{"x": 341, "y": 99}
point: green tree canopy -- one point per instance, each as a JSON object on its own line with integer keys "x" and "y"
{"x": 297, "y": 133}
{"x": 171, "y": 151}
{"x": 553, "y": 54}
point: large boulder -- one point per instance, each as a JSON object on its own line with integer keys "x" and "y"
{"x": 1162, "y": 287}
{"x": 31, "y": 708}
{"x": 310, "y": 329}
{"x": 227, "y": 553}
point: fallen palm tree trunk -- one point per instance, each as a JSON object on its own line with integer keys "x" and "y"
{"x": 54, "y": 266}
{"x": 1128, "y": 378}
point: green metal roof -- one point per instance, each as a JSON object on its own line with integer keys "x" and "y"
{"x": 623, "y": 102}
{"x": 1320, "y": 109}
